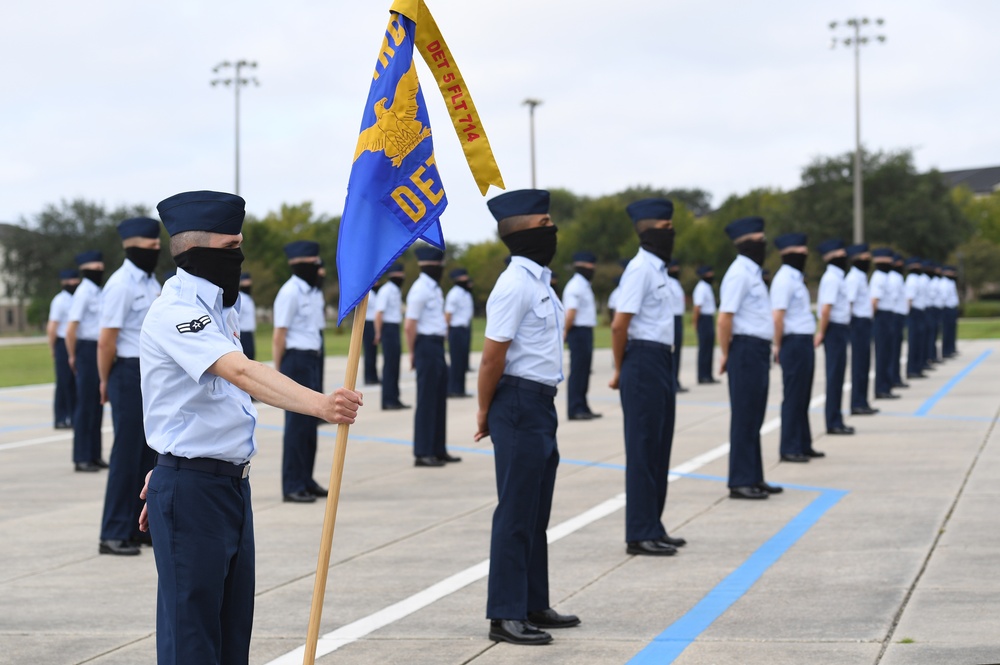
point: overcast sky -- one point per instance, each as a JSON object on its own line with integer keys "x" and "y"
{"x": 110, "y": 100}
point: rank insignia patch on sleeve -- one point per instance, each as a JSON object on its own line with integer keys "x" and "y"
{"x": 194, "y": 326}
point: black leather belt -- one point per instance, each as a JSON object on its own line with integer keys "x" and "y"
{"x": 647, "y": 344}
{"x": 528, "y": 384}
{"x": 308, "y": 352}
{"x": 204, "y": 464}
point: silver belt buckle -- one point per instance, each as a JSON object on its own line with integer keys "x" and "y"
{"x": 246, "y": 471}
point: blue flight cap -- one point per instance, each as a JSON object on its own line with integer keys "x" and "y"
{"x": 650, "y": 209}
{"x": 882, "y": 252}
{"x": 786, "y": 240}
{"x": 215, "y": 212}
{"x": 69, "y": 273}
{"x": 298, "y": 249}
{"x": 896, "y": 256}
{"x": 519, "y": 202}
{"x": 913, "y": 261}
{"x": 927, "y": 263}
{"x": 860, "y": 248}
{"x": 90, "y": 256}
{"x": 584, "y": 257}
{"x": 428, "y": 253}
{"x": 831, "y": 245}
{"x": 673, "y": 264}
{"x": 244, "y": 276}
{"x": 744, "y": 226}
{"x": 396, "y": 267}
{"x": 458, "y": 272}
{"x": 949, "y": 268}
{"x": 139, "y": 227}
{"x": 704, "y": 270}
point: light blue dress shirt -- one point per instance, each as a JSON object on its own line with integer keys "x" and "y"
{"x": 915, "y": 291}
{"x": 525, "y": 311}
{"x": 896, "y": 288}
{"x": 579, "y": 295}
{"x": 789, "y": 292}
{"x": 703, "y": 297}
{"x": 676, "y": 295}
{"x": 425, "y": 305}
{"x": 645, "y": 294}
{"x": 297, "y": 308}
{"x": 248, "y": 314}
{"x": 878, "y": 289}
{"x": 187, "y": 411}
{"x": 833, "y": 291}
{"x": 459, "y": 304}
{"x": 59, "y": 311}
{"x": 858, "y": 295}
{"x": 126, "y": 298}
{"x": 86, "y": 310}
{"x": 389, "y": 301}
{"x": 744, "y": 295}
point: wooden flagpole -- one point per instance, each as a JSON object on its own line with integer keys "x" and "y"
{"x": 333, "y": 499}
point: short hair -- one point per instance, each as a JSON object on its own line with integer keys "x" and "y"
{"x": 185, "y": 240}
{"x": 644, "y": 224}
{"x": 509, "y": 225}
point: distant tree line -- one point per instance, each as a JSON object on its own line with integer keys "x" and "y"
{"x": 915, "y": 213}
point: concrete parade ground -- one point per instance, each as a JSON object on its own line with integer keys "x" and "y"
{"x": 885, "y": 552}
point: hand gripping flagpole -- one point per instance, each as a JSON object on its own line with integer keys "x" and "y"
{"x": 336, "y": 478}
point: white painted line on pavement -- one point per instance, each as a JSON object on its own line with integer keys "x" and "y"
{"x": 46, "y": 439}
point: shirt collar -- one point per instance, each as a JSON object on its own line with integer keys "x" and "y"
{"x": 653, "y": 259}
{"x": 208, "y": 292}
{"x": 302, "y": 284}
{"x": 795, "y": 272}
{"x": 133, "y": 271}
{"x": 838, "y": 271}
{"x": 749, "y": 265}
{"x": 536, "y": 270}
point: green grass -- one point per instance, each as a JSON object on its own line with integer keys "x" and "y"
{"x": 31, "y": 363}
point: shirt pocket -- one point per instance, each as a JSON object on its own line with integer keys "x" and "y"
{"x": 543, "y": 317}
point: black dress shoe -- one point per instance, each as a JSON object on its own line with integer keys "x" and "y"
{"x": 747, "y": 492}
{"x": 681, "y": 389}
{"x": 703, "y": 382}
{"x": 583, "y": 415}
{"x": 88, "y": 467}
{"x": 395, "y": 407}
{"x": 901, "y": 384}
{"x": 816, "y": 453}
{"x": 842, "y": 429}
{"x": 916, "y": 376}
{"x": 119, "y": 547}
{"x": 449, "y": 458}
{"x": 594, "y": 416}
{"x": 428, "y": 461}
{"x": 300, "y": 497}
{"x": 863, "y": 411}
{"x": 673, "y": 542}
{"x": 650, "y": 548}
{"x": 795, "y": 458}
{"x": 886, "y": 396}
{"x": 517, "y": 632}
{"x": 317, "y": 491}
{"x": 551, "y": 619}
{"x": 770, "y": 489}
{"x": 64, "y": 425}
{"x": 101, "y": 464}
{"x": 459, "y": 395}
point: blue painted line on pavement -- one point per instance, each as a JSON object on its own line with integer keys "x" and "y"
{"x": 21, "y": 428}
{"x": 669, "y": 644}
{"x": 936, "y": 397}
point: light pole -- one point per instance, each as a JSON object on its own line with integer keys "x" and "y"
{"x": 237, "y": 82}
{"x": 857, "y": 41}
{"x": 531, "y": 104}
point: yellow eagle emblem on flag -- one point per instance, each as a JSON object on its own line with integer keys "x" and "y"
{"x": 396, "y": 131}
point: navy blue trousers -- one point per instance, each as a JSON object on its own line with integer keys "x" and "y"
{"x": 706, "y": 346}
{"x": 203, "y": 542}
{"x": 898, "y": 326}
{"x": 916, "y": 342}
{"x": 835, "y": 348}
{"x": 249, "y": 344}
{"x": 798, "y": 367}
{"x": 371, "y": 353}
{"x": 882, "y": 332}
{"x": 65, "y": 400}
{"x": 130, "y": 458}
{"x": 949, "y": 331}
{"x": 430, "y": 416}
{"x": 581, "y": 354}
{"x": 748, "y": 367}
{"x": 861, "y": 360}
{"x": 321, "y": 362}
{"x": 649, "y": 399}
{"x": 459, "y": 338}
{"x": 678, "y": 346}
{"x": 391, "y": 350}
{"x": 522, "y": 421}
{"x": 89, "y": 413}
{"x": 299, "y": 440}
{"x": 933, "y": 332}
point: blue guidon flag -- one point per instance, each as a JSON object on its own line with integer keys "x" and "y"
{"x": 394, "y": 195}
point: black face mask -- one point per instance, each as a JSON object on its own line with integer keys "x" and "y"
{"x": 465, "y": 284}
{"x": 144, "y": 259}
{"x": 398, "y": 281}
{"x": 70, "y": 288}
{"x": 307, "y": 272}
{"x": 797, "y": 261}
{"x": 659, "y": 242}
{"x": 537, "y": 244}
{"x": 246, "y": 289}
{"x": 434, "y": 272}
{"x": 586, "y": 273}
{"x": 219, "y": 266}
{"x": 863, "y": 264}
{"x": 320, "y": 281}
{"x": 707, "y": 279}
{"x": 898, "y": 270}
{"x": 838, "y": 261}
{"x": 95, "y": 276}
{"x": 883, "y": 267}
{"x": 755, "y": 250}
